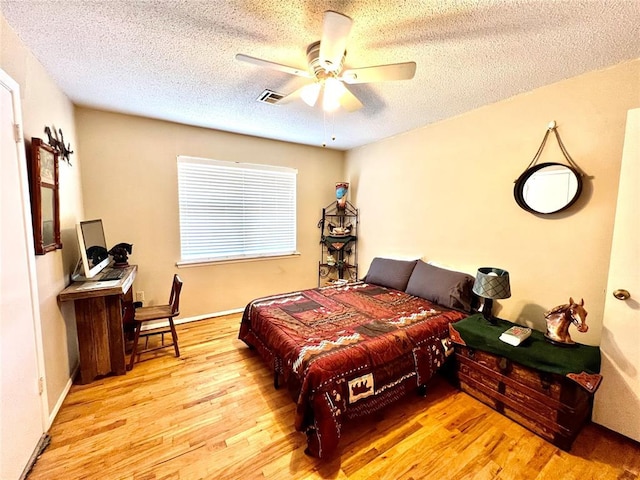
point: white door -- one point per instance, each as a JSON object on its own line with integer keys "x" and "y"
{"x": 617, "y": 402}
{"x": 21, "y": 407}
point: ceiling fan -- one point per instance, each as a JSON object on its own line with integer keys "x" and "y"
{"x": 326, "y": 61}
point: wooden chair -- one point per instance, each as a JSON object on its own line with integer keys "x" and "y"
{"x": 157, "y": 312}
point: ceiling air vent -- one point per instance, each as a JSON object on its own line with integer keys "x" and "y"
{"x": 269, "y": 96}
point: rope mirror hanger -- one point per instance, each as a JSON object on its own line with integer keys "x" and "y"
{"x": 550, "y": 187}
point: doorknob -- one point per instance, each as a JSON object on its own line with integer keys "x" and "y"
{"x": 621, "y": 294}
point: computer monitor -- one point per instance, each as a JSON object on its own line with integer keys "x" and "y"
{"x": 93, "y": 247}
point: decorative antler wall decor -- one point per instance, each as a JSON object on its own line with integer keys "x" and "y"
{"x": 58, "y": 144}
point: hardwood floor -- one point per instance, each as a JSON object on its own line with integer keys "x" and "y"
{"x": 214, "y": 414}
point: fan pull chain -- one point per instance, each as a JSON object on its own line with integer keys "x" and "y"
{"x": 333, "y": 128}
{"x": 324, "y": 125}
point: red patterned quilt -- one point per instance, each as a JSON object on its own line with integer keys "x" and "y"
{"x": 347, "y": 351}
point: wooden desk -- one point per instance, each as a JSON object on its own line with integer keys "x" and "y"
{"x": 100, "y": 315}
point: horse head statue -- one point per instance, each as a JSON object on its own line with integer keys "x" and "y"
{"x": 561, "y": 317}
{"x": 119, "y": 253}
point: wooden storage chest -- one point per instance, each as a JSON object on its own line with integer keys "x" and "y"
{"x": 546, "y": 388}
{"x": 550, "y": 405}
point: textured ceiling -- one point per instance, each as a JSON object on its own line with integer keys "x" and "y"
{"x": 174, "y": 60}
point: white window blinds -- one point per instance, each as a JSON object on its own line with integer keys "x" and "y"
{"x": 234, "y": 210}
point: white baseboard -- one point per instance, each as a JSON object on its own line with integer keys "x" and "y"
{"x": 43, "y": 443}
{"x": 178, "y": 321}
{"x": 63, "y": 395}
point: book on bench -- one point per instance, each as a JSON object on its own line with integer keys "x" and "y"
{"x": 516, "y": 335}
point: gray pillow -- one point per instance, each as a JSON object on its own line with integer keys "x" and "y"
{"x": 390, "y": 273}
{"x": 439, "y": 285}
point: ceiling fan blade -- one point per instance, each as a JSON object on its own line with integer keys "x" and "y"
{"x": 293, "y": 96}
{"x": 335, "y": 31}
{"x": 349, "y": 101}
{"x": 273, "y": 65}
{"x": 333, "y": 95}
{"x": 336, "y": 94}
{"x": 309, "y": 94}
{"x": 380, "y": 73}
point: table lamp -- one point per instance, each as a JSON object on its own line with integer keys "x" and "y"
{"x": 491, "y": 283}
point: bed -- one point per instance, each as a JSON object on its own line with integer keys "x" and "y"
{"x": 347, "y": 351}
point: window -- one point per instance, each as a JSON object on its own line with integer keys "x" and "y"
{"x": 232, "y": 210}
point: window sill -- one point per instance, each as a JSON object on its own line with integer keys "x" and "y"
{"x": 205, "y": 262}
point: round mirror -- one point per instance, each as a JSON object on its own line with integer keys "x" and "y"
{"x": 547, "y": 188}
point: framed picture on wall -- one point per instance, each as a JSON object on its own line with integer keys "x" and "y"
{"x": 45, "y": 199}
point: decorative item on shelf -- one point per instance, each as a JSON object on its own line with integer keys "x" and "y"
{"x": 337, "y": 244}
{"x": 341, "y": 194}
{"x": 58, "y": 144}
{"x": 119, "y": 253}
{"x": 491, "y": 284}
{"x": 339, "y": 231}
{"x": 560, "y": 318}
{"x": 338, "y": 240}
{"x": 549, "y": 187}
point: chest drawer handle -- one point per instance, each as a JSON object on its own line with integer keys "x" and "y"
{"x": 504, "y": 365}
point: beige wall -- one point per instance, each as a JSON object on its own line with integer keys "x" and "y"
{"x": 129, "y": 180}
{"x": 43, "y": 103}
{"x": 445, "y": 193}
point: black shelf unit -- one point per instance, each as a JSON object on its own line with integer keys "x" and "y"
{"x": 338, "y": 244}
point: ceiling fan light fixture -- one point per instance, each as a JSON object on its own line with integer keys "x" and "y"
{"x": 333, "y": 91}
{"x": 310, "y": 93}
{"x": 325, "y": 58}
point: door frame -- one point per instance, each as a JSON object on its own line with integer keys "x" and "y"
{"x": 14, "y": 89}
{"x": 618, "y": 369}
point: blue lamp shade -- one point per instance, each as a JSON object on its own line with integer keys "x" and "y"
{"x": 492, "y": 283}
